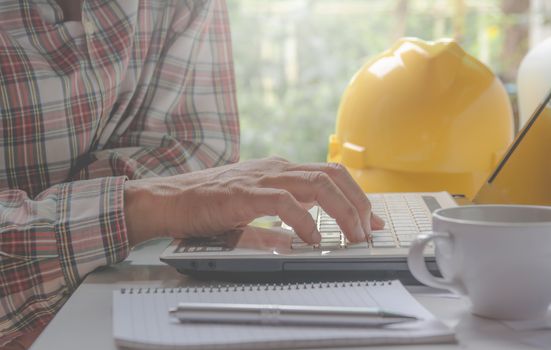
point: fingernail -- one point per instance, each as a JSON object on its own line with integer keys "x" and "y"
{"x": 367, "y": 229}
{"x": 360, "y": 233}
{"x": 377, "y": 220}
{"x": 316, "y": 237}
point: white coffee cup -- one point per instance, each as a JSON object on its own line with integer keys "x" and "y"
{"x": 497, "y": 255}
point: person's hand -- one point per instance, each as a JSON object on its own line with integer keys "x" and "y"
{"x": 215, "y": 200}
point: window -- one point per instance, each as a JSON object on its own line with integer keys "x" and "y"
{"x": 293, "y": 58}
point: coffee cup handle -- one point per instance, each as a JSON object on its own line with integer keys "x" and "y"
{"x": 416, "y": 262}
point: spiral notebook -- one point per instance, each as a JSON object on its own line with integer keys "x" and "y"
{"x": 141, "y": 319}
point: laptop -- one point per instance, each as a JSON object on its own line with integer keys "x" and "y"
{"x": 523, "y": 176}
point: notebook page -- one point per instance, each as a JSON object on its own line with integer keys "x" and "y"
{"x": 141, "y": 318}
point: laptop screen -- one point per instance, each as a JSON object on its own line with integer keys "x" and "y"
{"x": 523, "y": 176}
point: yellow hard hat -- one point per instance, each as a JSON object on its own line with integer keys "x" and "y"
{"x": 422, "y": 116}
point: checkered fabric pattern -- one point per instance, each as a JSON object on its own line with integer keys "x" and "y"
{"x": 139, "y": 88}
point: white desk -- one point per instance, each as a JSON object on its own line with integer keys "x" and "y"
{"x": 84, "y": 322}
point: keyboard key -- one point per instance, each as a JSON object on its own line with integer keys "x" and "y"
{"x": 331, "y": 240}
{"x": 423, "y": 222}
{"x": 381, "y": 234}
{"x": 384, "y": 244}
{"x": 328, "y": 223}
{"x": 404, "y": 226}
{"x": 407, "y": 232}
{"x": 329, "y": 245}
{"x": 362, "y": 245}
{"x": 382, "y": 239}
{"x": 330, "y": 234}
{"x": 400, "y": 214}
{"x": 406, "y": 237}
{"x": 402, "y": 221}
{"x": 405, "y": 215}
{"x": 330, "y": 228}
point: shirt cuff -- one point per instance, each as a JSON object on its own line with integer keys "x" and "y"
{"x": 91, "y": 228}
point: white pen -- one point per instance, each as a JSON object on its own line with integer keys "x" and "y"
{"x": 286, "y": 315}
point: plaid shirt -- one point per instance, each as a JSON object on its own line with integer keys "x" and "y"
{"x": 137, "y": 89}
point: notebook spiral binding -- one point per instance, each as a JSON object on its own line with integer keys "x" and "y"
{"x": 253, "y": 287}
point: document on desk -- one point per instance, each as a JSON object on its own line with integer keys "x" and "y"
{"x": 141, "y": 317}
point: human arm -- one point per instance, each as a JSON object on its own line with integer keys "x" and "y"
{"x": 50, "y": 242}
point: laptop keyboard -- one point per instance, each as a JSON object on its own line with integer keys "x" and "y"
{"x": 406, "y": 215}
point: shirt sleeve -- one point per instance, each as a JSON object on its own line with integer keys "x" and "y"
{"x": 49, "y": 243}
{"x": 188, "y": 119}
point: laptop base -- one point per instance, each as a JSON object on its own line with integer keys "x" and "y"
{"x": 292, "y": 272}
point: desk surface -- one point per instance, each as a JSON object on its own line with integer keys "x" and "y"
{"x": 85, "y": 322}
